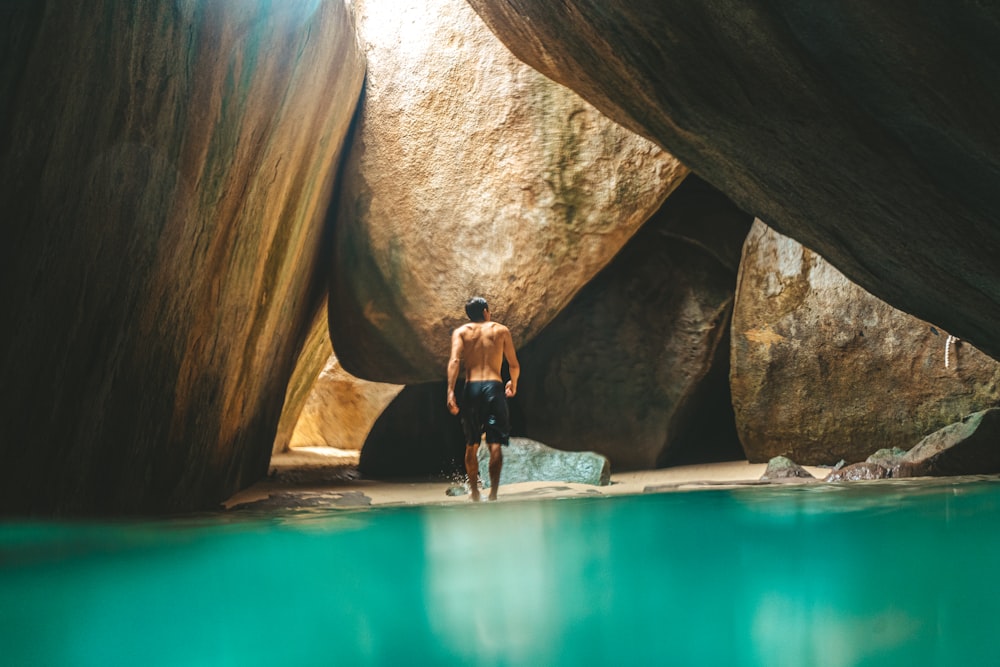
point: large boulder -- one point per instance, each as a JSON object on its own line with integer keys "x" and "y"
{"x": 636, "y": 366}
{"x": 471, "y": 174}
{"x": 167, "y": 169}
{"x": 866, "y": 131}
{"x": 823, "y": 371}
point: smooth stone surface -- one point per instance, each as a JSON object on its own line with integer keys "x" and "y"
{"x": 341, "y": 409}
{"x": 166, "y": 173}
{"x": 526, "y": 460}
{"x": 822, "y": 370}
{"x": 471, "y": 174}
{"x": 865, "y": 131}
{"x": 636, "y": 366}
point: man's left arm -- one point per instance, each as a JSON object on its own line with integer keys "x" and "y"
{"x": 513, "y": 366}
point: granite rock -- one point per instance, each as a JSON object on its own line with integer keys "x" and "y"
{"x": 865, "y": 131}
{"x": 782, "y": 467}
{"x": 526, "y": 460}
{"x": 857, "y": 472}
{"x": 636, "y": 366}
{"x": 821, "y": 369}
{"x": 471, "y": 174}
{"x": 888, "y": 458}
{"x": 166, "y": 176}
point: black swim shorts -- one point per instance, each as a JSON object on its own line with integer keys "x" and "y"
{"x": 484, "y": 408}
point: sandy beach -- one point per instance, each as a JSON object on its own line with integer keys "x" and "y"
{"x": 324, "y": 476}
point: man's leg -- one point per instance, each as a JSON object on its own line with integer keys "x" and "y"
{"x": 472, "y": 469}
{"x": 496, "y": 463}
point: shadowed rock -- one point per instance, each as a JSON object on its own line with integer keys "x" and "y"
{"x": 968, "y": 447}
{"x": 166, "y": 173}
{"x": 471, "y": 174}
{"x": 865, "y": 131}
{"x": 415, "y": 436}
{"x": 635, "y": 368}
{"x": 821, "y": 369}
{"x": 525, "y": 460}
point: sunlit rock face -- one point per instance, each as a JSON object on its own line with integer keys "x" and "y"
{"x": 166, "y": 173}
{"x": 325, "y": 406}
{"x": 867, "y": 132}
{"x": 636, "y": 368}
{"x": 471, "y": 174}
{"x": 823, "y": 371}
{"x": 315, "y": 353}
{"x": 340, "y": 409}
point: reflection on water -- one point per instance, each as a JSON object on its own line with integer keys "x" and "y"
{"x": 860, "y": 574}
{"x": 488, "y": 593}
{"x": 790, "y": 630}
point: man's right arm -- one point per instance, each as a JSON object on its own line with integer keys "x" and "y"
{"x": 454, "y": 363}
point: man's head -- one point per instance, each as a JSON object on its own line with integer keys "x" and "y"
{"x": 476, "y": 309}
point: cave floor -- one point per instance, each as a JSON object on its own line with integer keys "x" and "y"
{"x": 323, "y": 477}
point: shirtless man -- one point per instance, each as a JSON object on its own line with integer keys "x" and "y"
{"x": 483, "y": 344}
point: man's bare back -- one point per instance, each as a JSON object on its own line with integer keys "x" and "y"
{"x": 483, "y": 344}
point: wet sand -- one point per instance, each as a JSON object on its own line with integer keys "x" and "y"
{"x": 323, "y": 476}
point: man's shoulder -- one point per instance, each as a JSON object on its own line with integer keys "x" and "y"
{"x": 462, "y": 330}
{"x": 491, "y": 326}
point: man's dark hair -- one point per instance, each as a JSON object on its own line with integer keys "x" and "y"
{"x": 475, "y": 308}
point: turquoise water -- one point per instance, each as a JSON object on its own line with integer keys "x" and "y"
{"x": 863, "y": 574}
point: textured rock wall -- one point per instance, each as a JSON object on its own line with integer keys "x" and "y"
{"x": 166, "y": 171}
{"x": 635, "y": 367}
{"x": 471, "y": 174}
{"x": 822, "y": 370}
{"x": 866, "y": 131}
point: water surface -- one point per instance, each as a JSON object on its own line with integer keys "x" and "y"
{"x": 854, "y": 574}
